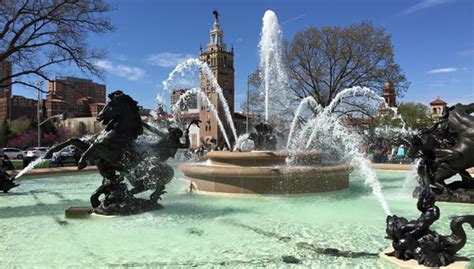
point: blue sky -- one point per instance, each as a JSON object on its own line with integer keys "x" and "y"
{"x": 433, "y": 40}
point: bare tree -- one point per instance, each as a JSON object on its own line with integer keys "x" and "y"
{"x": 323, "y": 62}
{"x": 41, "y": 37}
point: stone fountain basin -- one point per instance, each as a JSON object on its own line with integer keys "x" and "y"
{"x": 266, "y": 172}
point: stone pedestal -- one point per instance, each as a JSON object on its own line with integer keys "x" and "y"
{"x": 460, "y": 263}
{"x": 78, "y": 212}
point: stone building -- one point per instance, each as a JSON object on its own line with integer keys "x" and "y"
{"x": 76, "y": 97}
{"x": 389, "y": 95}
{"x": 437, "y": 108}
{"x": 221, "y": 62}
{"x": 5, "y": 90}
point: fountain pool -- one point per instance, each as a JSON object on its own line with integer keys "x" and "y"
{"x": 205, "y": 231}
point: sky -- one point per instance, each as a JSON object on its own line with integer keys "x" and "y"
{"x": 433, "y": 40}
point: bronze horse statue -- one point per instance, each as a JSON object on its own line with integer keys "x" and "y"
{"x": 447, "y": 148}
{"x": 118, "y": 158}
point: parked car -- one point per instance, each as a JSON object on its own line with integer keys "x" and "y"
{"x": 67, "y": 152}
{"x": 36, "y": 152}
{"x": 14, "y": 153}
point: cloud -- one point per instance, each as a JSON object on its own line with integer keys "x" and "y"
{"x": 167, "y": 59}
{"x": 293, "y": 19}
{"x": 442, "y": 70}
{"x": 121, "y": 70}
{"x": 424, "y": 4}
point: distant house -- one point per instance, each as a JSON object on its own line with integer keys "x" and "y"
{"x": 437, "y": 108}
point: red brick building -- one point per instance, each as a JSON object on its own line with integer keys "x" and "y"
{"x": 76, "y": 97}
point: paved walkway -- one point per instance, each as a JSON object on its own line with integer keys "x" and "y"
{"x": 402, "y": 167}
{"x": 73, "y": 169}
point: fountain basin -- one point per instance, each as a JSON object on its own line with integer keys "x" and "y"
{"x": 265, "y": 172}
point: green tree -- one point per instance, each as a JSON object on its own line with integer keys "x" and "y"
{"x": 20, "y": 125}
{"x": 414, "y": 115}
{"x": 5, "y": 133}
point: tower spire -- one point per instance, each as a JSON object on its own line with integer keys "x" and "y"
{"x": 216, "y": 34}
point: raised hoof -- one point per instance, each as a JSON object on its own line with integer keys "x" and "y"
{"x": 81, "y": 165}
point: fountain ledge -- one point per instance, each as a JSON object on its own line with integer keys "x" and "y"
{"x": 266, "y": 172}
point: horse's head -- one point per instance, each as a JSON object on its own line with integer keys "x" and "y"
{"x": 112, "y": 109}
{"x": 119, "y": 104}
{"x": 175, "y": 134}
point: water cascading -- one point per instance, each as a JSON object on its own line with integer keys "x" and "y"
{"x": 212, "y": 108}
{"x": 327, "y": 133}
{"x": 186, "y": 72}
{"x": 309, "y": 100}
{"x": 272, "y": 71}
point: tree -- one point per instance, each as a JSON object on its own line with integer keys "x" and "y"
{"x": 20, "y": 125}
{"x": 415, "y": 115}
{"x": 323, "y": 62}
{"x": 5, "y": 133}
{"x": 40, "y": 37}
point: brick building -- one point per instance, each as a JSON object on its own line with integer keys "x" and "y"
{"x": 76, "y": 97}
{"x": 221, "y": 63}
{"x": 22, "y": 106}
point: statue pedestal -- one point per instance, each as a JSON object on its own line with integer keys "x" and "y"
{"x": 78, "y": 212}
{"x": 460, "y": 263}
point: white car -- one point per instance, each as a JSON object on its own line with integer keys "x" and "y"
{"x": 67, "y": 152}
{"x": 14, "y": 153}
{"x": 36, "y": 152}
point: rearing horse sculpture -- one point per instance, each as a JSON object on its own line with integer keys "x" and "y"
{"x": 117, "y": 157}
{"x": 447, "y": 148}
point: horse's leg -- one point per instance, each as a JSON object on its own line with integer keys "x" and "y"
{"x": 443, "y": 155}
{"x": 98, "y": 151}
{"x": 165, "y": 174}
{"x": 107, "y": 171}
{"x": 72, "y": 141}
{"x": 138, "y": 186}
{"x": 95, "y": 202}
{"x": 466, "y": 183}
{"x": 443, "y": 172}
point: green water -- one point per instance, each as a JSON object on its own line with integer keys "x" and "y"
{"x": 204, "y": 231}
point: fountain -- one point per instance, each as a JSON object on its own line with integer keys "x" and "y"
{"x": 307, "y": 165}
{"x": 312, "y": 231}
